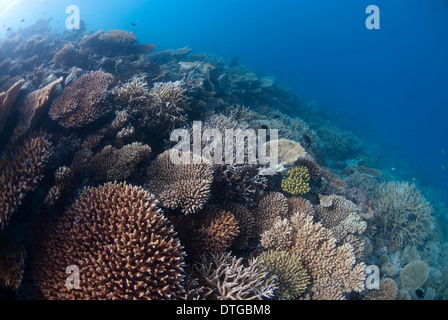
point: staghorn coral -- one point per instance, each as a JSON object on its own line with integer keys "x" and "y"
{"x": 402, "y": 215}
{"x": 340, "y": 216}
{"x": 211, "y": 231}
{"x": 297, "y": 181}
{"x": 83, "y": 101}
{"x": 12, "y": 263}
{"x": 122, "y": 244}
{"x": 272, "y": 206}
{"x": 224, "y": 277}
{"x": 291, "y": 276}
{"x": 20, "y": 171}
{"x": 333, "y": 268}
{"x": 118, "y": 164}
{"x": 33, "y": 106}
{"x": 7, "y": 100}
{"x": 184, "y": 186}
{"x": 388, "y": 290}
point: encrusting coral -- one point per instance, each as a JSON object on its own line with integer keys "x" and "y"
{"x": 83, "y": 101}
{"x": 120, "y": 241}
{"x": 20, "y": 171}
{"x": 291, "y": 276}
{"x": 297, "y": 181}
{"x": 185, "y": 186}
{"x": 224, "y": 277}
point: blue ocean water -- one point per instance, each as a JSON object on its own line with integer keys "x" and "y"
{"x": 387, "y": 84}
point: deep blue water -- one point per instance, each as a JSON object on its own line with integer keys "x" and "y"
{"x": 388, "y": 84}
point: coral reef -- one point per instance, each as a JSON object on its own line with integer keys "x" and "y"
{"x": 387, "y": 290}
{"x": 224, "y": 277}
{"x": 122, "y": 244}
{"x": 20, "y": 171}
{"x": 297, "y": 181}
{"x": 184, "y": 186}
{"x": 402, "y": 215}
{"x": 7, "y": 100}
{"x": 333, "y": 269}
{"x": 82, "y": 101}
{"x": 118, "y": 164}
{"x": 270, "y": 207}
{"x": 291, "y": 276}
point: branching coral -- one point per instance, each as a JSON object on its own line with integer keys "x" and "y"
{"x": 402, "y": 215}
{"x": 246, "y": 224}
{"x": 66, "y": 56}
{"x": 211, "y": 231}
{"x": 62, "y": 178}
{"x": 118, "y": 38}
{"x": 388, "y": 290}
{"x": 184, "y": 186}
{"x": 224, "y": 277}
{"x": 118, "y": 164}
{"x": 122, "y": 244}
{"x": 333, "y": 269}
{"x": 20, "y": 171}
{"x": 299, "y": 204}
{"x": 297, "y": 181}
{"x": 338, "y": 144}
{"x": 83, "y": 101}
{"x": 291, "y": 276}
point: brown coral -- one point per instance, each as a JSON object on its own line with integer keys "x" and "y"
{"x": 83, "y": 101}
{"x": 210, "y": 231}
{"x": 291, "y": 276}
{"x": 118, "y": 164}
{"x": 66, "y": 56}
{"x": 184, "y": 186}
{"x": 33, "y": 106}
{"x": 246, "y": 224}
{"x": 7, "y": 100}
{"x": 333, "y": 269}
{"x": 224, "y": 277}
{"x": 20, "y": 171}
{"x": 272, "y": 206}
{"x": 12, "y": 263}
{"x": 340, "y": 216}
{"x": 122, "y": 244}
{"x": 388, "y": 290}
{"x": 61, "y": 183}
{"x": 300, "y": 204}
{"x": 118, "y": 38}
{"x": 313, "y": 168}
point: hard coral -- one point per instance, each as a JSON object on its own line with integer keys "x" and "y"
{"x": 297, "y": 181}
{"x": 224, "y": 277}
{"x": 82, "y": 101}
{"x": 7, "y": 100}
{"x": 402, "y": 215}
{"x": 20, "y": 171}
{"x": 291, "y": 276}
{"x": 12, "y": 263}
{"x": 122, "y": 244}
{"x": 118, "y": 164}
{"x": 333, "y": 269}
{"x": 184, "y": 186}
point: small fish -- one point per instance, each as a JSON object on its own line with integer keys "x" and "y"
{"x": 22, "y": 20}
{"x": 8, "y": 29}
{"x": 133, "y": 24}
{"x": 443, "y": 167}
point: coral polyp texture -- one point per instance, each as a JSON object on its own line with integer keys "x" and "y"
{"x": 121, "y": 243}
{"x": 83, "y": 101}
{"x": 402, "y": 215}
{"x": 21, "y": 169}
{"x": 185, "y": 186}
{"x": 12, "y": 263}
{"x": 297, "y": 181}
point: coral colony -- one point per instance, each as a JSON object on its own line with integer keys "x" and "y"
{"x": 128, "y": 172}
